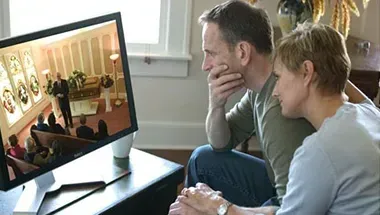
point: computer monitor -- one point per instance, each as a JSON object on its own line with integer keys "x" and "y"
{"x": 37, "y": 132}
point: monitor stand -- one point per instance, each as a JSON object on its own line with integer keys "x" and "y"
{"x": 86, "y": 174}
{"x": 35, "y": 191}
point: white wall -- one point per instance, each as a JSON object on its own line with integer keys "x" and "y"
{"x": 171, "y": 111}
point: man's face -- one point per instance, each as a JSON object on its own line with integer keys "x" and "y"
{"x": 59, "y": 76}
{"x": 216, "y": 50}
{"x": 289, "y": 90}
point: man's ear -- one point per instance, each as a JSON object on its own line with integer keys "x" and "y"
{"x": 308, "y": 72}
{"x": 244, "y": 50}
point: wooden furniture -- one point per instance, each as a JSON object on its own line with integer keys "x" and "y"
{"x": 365, "y": 63}
{"x": 81, "y": 99}
{"x": 150, "y": 188}
{"x": 20, "y": 166}
{"x": 70, "y": 144}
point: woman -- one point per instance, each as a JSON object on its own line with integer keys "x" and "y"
{"x": 40, "y": 148}
{"x": 55, "y": 151}
{"x": 31, "y": 154}
{"x": 336, "y": 170}
{"x": 53, "y": 126}
{"x": 16, "y": 150}
{"x": 102, "y": 130}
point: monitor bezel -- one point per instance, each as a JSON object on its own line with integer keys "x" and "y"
{"x": 5, "y": 182}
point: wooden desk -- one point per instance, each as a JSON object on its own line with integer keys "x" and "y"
{"x": 149, "y": 189}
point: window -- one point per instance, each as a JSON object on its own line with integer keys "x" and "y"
{"x": 140, "y": 27}
{"x": 155, "y": 28}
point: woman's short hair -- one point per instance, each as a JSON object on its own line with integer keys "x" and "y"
{"x": 30, "y": 144}
{"x": 322, "y": 45}
{"x": 13, "y": 140}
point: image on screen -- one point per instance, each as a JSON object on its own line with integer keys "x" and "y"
{"x": 60, "y": 95}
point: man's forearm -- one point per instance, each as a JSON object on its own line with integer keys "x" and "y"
{"x": 218, "y": 132}
{"x": 236, "y": 210}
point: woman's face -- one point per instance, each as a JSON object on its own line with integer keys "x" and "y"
{"x": 290, "y": 90}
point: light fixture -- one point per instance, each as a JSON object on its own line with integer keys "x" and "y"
{"x": 45, "y": 73}
{"x": 114, "y": 58}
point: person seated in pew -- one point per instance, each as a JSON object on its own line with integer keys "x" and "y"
{"x": 102, "y": 130}
{"x": 67, "y": 131}
{"x": 55, "y": 151}
{"x": 54, "y": 127}
{"x": 31, "y": 154}
{"x": 16, "y": 150}
{"x": 40, "y": 148}
{"x": 84, "y": 131}
{"x": 41, "y": 125}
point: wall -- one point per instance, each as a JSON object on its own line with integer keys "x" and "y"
{"x": 87, "y": 50}
{"x": 30, "y": 114}
{"x": 171, "y": 111}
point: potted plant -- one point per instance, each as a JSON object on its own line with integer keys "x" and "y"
{"x": 292, "y": 12}
{"x": 49, "y": 87}
{"x": 49, "y": 90}
{"x": 107, "y": 82}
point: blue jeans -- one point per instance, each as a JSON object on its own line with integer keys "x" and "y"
{"x": 242, "y": 178}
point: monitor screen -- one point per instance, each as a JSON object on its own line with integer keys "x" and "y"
{"x": 64, "y": 92}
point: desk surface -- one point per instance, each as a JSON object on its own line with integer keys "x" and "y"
{"x": 147, "y": 171}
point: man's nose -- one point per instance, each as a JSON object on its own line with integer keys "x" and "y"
{"x": 206, "y": 65}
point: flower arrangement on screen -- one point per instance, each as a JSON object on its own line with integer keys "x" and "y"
{"x": 106, "y": 81}
{"x": 341, "y": 9}
{"x": 48, "y": 88}
{"x": 77, "y": 79}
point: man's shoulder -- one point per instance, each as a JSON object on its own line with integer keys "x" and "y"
{"x": 85, "y": 128}
{"x": 89, "y": 128}
{"x": 273, "y": 115}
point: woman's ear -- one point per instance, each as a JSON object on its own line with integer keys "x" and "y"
{"x": 308, "y": 72}
{"x": 244, "y": 52}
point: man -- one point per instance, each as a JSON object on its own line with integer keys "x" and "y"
{"x": 84, "y": 131}
{"x": 237, "y": 44}
{"x": 61, "y": 91}
{"x": 41, "y": 125}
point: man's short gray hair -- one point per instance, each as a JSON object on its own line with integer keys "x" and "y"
{"x": 238, "y": 21}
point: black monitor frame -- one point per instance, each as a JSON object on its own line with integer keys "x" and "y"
{"x": 5, "y": 182}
